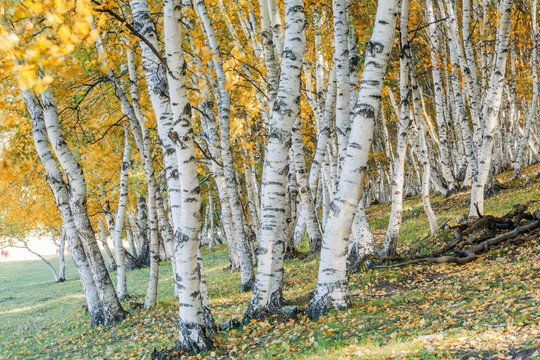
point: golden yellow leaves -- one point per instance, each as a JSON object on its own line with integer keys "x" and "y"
{"x": 36, "y": 36}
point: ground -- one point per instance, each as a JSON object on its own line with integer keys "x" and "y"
{"x": 487, "y": 309}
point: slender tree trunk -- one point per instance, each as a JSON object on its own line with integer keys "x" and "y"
{"x": 104, "y": 243}
{"x": 332, "y": 290}
{"x": 243, "y": 243}
{"x": 61, "y": 257}
{"x": 194, "y": 335}
{"x": 394, "y": 224}
{"x": 341, "y": 59}
{"x": 434, "y": 36}
{"x": 120, "y": 219}
{"x": 306, "y": 196}
{"x": 267, "y": 292}
{"x": 112, "y": 308}
{"x": 142, "y": 234}
{"x": 491, "y": 111}
{"x": 60, "y": 192}
{"x": 422, "y": 153}
{"x": 534, "y": 101}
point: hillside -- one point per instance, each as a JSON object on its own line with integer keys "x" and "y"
{"x": 484, "y": 309}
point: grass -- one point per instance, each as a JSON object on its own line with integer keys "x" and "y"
{"x": 485, "y": 309}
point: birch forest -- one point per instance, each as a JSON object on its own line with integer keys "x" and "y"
{"x": 296, "y": 179}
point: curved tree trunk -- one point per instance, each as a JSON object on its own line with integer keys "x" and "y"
{"x": 111, "y": 305}
{"x": 60, "y": 192}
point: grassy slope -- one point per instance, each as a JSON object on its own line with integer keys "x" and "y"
{"x": 412, "y": 312}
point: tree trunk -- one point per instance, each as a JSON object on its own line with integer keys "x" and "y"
{"x": 267, "y": 292}
{"x": 332, "y": 287}
{"x": 120, "y": 219}
{"x": 104, "y": 243}
{"x": 60, "y": 192}
{"x": 194, "y": 335}
{"x": 243, "y": 243}
{"x": 362, "y": 242}
{"x": 394, "y": 224}
{"x": 491, "y": 111}
{"x": 534, "y": 101}
{"x": 112, "y": 308}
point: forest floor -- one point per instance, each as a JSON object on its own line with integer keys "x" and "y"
{"x": 486, "y": 309}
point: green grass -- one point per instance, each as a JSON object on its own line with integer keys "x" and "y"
{"x": 423, "y": 311}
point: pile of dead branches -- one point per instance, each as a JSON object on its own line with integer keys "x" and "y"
{"x": 479, "y": 236}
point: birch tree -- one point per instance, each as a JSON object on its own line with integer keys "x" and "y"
{"x": 267, "y": 291}
{"x": 332, "y": 290}
{"x": 194, "y": 335}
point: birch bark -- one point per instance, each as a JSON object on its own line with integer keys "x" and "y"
{"x": 491, "y": 109}
{"x": 267, "y": 296}
{"x": 394, "y": 224}
{"x": 112, "y": 308}
{"x": 243, "y": 244}
{"x": 194, "y": 335}
{"x": 332, "y": 290}
{"x": 121, "y": 286}
{"x": 534, "y": 101}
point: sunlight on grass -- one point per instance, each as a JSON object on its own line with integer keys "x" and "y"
{"x": 488, "y": 306}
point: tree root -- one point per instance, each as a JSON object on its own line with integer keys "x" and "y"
{"x": 474, "y": 238}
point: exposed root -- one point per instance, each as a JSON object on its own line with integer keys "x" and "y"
{"x": 474, "y": 238}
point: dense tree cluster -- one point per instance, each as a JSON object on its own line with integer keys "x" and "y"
{"x": 171, "y": 125}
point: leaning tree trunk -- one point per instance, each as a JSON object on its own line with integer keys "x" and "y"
{"x": 105, "y": 244}
{"x": 267, "y": 292}
{"x": 243, "y": 243}
{"x": 332, "y": 290}
{"x": 111, "y": 305}
{"x": 60, "y": 192}
{"x": 491, "y": 111}
{"x": 194, "y": 335}
{"x": 396, "y": 211}
{"x": 47, "y": 262}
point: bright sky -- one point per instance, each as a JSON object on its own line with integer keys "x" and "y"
{"x": 40, "y": 244}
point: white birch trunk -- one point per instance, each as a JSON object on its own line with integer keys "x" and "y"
{"x": 341, "y": 60}
{"x": 332, "y": 287}
{"x": 534, "y": 101}
{"x": 434, "y": 36}
{"x": 121, "y": 286}
{"x": 394, "y": 224}
{"x": 418, "y": 132}
{"x": 104, "y": 243}
{"x": 112, "y": 308}
{"x": 194, "y": 335}
{"x": 308, "y": 211}
{"x": 243, "y": 243}
{"x": 60, "y": 192}
{"x": 267, "y": 292}
{"x": 362, "y": 241}
{"x": 490, "y": 111}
